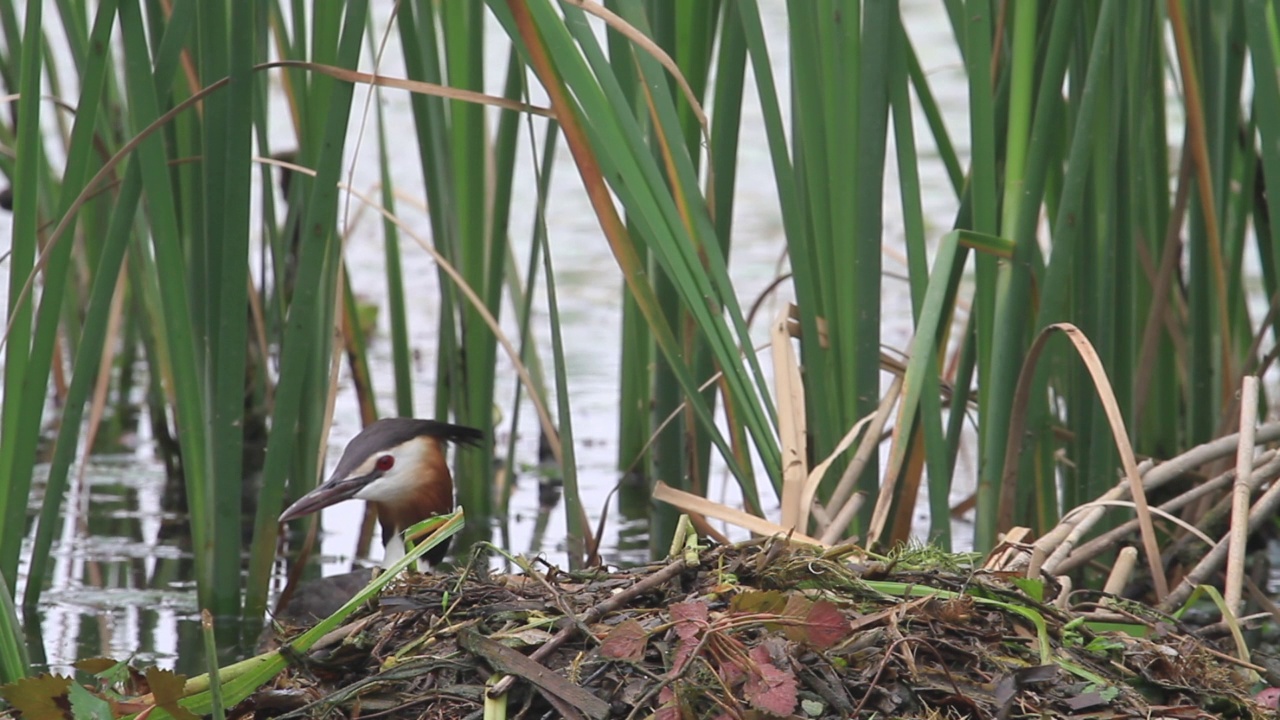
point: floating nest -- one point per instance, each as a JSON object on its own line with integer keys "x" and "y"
{"x": 760, "y": 630}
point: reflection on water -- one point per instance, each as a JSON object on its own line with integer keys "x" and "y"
{"x": 119, "y": 583}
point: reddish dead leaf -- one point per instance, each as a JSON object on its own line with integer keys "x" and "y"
{"x": 685, "y": 647}
{"x": 817, "y": 624}
{"x": 690, "y": 619}
{"x": 1268, "y": 698}
{"x": 684, "y": 651}
{"x": 769, "y": 688}
{"x": 43, "y": 696}
{"x": 826, "y": 625}
{"x": 670, "y": 707}
{"x": 731, "y": 671}
{"x": 625, "y": 642}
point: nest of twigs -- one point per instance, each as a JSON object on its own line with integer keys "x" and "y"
{"x": 755, "y": 631}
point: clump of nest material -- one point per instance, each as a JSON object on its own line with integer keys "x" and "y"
{"x": 758, "y": 630}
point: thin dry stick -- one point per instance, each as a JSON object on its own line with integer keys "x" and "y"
{"x": 1054, "y": 547}
{"x": 845, "y": 516}
{"x": 1266, "y": 467}
{"x": 1262, "y": 511}
{"x": 1121, "y": 571}
{"x": 1262, "y": 600}
{"x": 1062, "y": 538}
{"x": 695, "y": 504}
{"x": 843, "y": 497}
{"x": 592, "y": 614}
{"x": 1240, "y": 493}
{"x": 1205, "y": 453}
{"x": 1069, "y": 532}
{"x": 792, "y": 431}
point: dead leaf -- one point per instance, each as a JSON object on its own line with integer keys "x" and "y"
{"x": 43, "y": 697}
{"x": 770, "y": 688}
{"x": 818, "y": 624}
{"x": 825, "y": 625}
{"x": 690, "y": 620}
{"x": 670, "y": 708}
{"x": 625, "y": 642}
{"x": 797, "y": 610}
{"x": 96, "y": 665}
{"x": 167, "y": 687}
{"x": 528, "y": 637}
{"x": 689, "y": 617}
{"x": 758, "y": 601}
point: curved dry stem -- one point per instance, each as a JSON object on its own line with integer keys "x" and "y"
{"x": 633, "y": 34}
{"x": 415, "y": 86}
{"x": 1112, "y": 409}
{"x": 1154, "y": 511}
{"x": 644, "y": 42}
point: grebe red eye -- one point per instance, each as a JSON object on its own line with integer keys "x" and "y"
{"x": 385, "y": 463}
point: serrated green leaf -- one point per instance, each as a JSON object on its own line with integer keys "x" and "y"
{"x": 1103, "y": 645}
{"x": 87, "y": 706}
{"x": 1033, "y": 587}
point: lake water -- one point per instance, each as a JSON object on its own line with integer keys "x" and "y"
{"x": 121, "y": 584}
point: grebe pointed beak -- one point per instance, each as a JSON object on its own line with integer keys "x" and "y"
{"x": 330, "y": 493}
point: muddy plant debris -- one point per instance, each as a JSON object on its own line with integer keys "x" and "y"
{"x": 758, "y": 630}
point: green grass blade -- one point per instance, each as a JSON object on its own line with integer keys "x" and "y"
{"x": 80, "y": 153}
{"x": 14, "y": 663}
{"x": 227, "y": 192}
{"x": 15, "y": 482}
{"x": 305, "y": 335}
{"x": 188, "y": 390}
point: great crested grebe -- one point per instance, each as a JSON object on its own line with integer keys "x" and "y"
{"x": 398, "y": 465}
